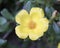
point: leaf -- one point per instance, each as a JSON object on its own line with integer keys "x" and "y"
{"x": 50, "y": 34}
{"x": 40, "y": 1}
{"x": 2, "y": 21}
{"x": 27, "y": 6}
{"x": 4, "y": 27}
{"x": 52, "y": 1}
{"x": 21, "y": 0}
{"x": 56, "y": 28}
{"x": 57, "y": 31}
{"x": 7, "y": 14}
{"x": 49, "y": 11}
{"x": 2, "y": 42}
{"x": 3, "y": 24}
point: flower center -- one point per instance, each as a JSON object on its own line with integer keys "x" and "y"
{"x": 32, "y": 25}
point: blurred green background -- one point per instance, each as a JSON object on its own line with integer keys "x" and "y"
{"x": 8, "y": 10}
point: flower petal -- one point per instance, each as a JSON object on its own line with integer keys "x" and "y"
{"x": 37, "y": 12}
{"x": 58, "y": 45}
{"x": 25, "y": 20}
{"x": 21, "y": 32}
{"x": 21, "y": 15}
{"x": 35, "y": 34}
{"x": 44, "y": 24}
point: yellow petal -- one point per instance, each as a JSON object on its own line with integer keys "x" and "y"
{"x": 21, "y": 15}
{"x": 44, "y": 24}
{"x": 25, "y": 20}
{"x": 37, "y": 12}
{"x": 35, "y": 34}
{"x": 21, "y": 32}
{"x": 59, "y": 45}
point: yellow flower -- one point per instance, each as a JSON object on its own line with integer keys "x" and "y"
{"x": 31, "y": 25}
{"x": 59, "y": 45}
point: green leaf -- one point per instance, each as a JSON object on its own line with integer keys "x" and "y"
{"x": 56, "y": 28}
{"x": 4, "y": 27}
{"x": 2, "y": 42}
{"x": 21, "y": 0}
{"x": 27, "y": 6}
{"x": 49, "y": 11}
{"x": 50, "y": 34}
{"x": 2, "y": 21}
{"x": 7, "y": 14}
{"x": 3, "y": 24}
{"x": 52, "y": 1}
{"x": 40, "y": 1}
